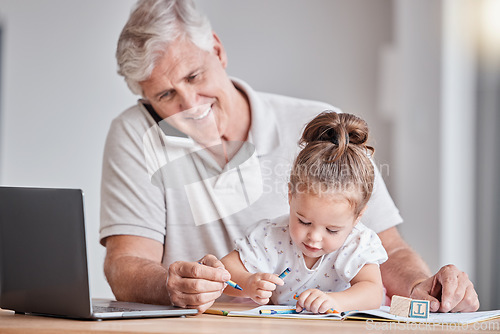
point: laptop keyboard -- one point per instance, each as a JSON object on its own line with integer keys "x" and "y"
{"x": 106, "y": 309}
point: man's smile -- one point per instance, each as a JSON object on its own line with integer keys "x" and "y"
{"x": 200, "y": 114}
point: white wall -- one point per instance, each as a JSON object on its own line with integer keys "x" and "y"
{"x": 416, "y": 139}
{"x": 458, "y": 134}
{"x": 59, "y": 93}
{"x": 488, "y": 156}
{"x": 434, "y": 156}
{"x": 60, "y": 90}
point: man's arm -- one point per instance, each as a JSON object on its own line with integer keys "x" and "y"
{"x": 134, "y": 271}
{"x": 406, "y": 274}
{"x": 404, "y": 268}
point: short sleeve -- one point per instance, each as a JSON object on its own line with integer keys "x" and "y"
{"x": 258, "y": 249}
{"x": 362, "y": 246}
{"x": 130, "y": 203}
{"x": 381, "y": 212}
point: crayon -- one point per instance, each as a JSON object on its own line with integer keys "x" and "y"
{"x": 283, "y": 311}
{"x": 284, "y": 273}
{"x": 332, "y": 311}
{"x": 216, "y": 312}
{"x": 231, "y": 283}
{"x": 234, "y": 285}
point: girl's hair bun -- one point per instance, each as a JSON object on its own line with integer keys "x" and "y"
{"x": 339, "y": 129}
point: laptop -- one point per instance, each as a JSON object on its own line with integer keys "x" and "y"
{"x": 43, "y": 259}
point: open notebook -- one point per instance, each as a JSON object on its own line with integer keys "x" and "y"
{"x": 381, "y": 314}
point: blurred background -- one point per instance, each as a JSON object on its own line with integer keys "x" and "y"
{"x": 425, "y": 74}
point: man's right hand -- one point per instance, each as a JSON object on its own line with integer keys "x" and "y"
{"x": 196, "y": 284}
{"x": 135, "y": 273}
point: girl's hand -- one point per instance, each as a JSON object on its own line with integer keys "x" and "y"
{"x": 260, "y": 287}
{"x": 316, "y": 301}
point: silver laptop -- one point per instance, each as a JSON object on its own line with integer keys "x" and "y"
{"x": 43, "y": 259}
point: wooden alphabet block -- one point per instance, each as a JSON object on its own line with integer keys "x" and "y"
{"x": 400, "y": 306}
{"x": 419, "y": 309}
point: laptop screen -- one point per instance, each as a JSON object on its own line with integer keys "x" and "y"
{"x": 43, "y": 260}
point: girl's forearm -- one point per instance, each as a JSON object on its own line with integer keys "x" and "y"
{"x": 364, "y": 295}
{"x": 239, "y": 274}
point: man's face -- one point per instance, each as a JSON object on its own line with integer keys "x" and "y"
{"x": 190, "y": 89}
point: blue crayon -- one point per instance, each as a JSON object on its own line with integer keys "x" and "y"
{"x": 234, "y": 285}
{"x": 284, "y": 273}
{"x": 284, "y": 311}
{"x": 231, "y": 283}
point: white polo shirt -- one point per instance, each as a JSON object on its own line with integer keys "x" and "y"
{"x": 170, "y": 190}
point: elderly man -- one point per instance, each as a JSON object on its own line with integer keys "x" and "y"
{"x": 201, "y": 158}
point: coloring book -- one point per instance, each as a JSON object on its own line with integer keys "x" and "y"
{"x": 381, "y": 314}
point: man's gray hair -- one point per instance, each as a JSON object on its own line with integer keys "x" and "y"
{"x": 152, "y": 25}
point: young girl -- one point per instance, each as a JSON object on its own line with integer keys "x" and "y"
{"x": 334, "y": 259}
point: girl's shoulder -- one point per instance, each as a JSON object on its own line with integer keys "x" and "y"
{"x": 360, "y": 238}
{"x": 362, "y": 229}
{"x": 363, "y": 246}
{"x": 267, "y": 226}
{"x": 281, "y": 221}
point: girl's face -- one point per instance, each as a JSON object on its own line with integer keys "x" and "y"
{"x": 319, "y": 224}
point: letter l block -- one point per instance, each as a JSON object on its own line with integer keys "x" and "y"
{"x": 419, "y": 309}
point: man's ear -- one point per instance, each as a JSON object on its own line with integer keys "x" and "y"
{"x": 219, "y": 50}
